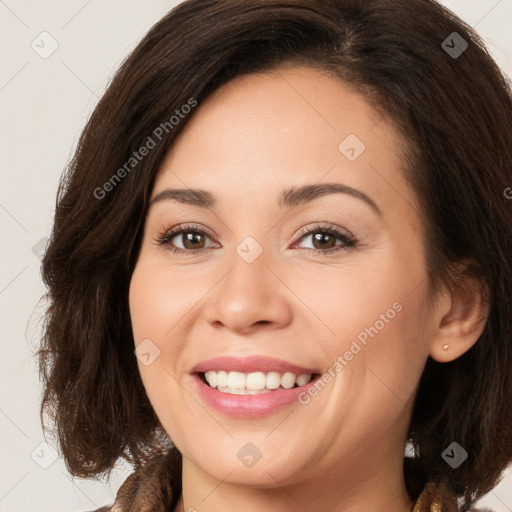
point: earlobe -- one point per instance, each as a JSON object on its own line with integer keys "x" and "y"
{"x": 461, "y": 327}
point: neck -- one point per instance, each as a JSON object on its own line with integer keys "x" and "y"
{"x": 375, "y": 487}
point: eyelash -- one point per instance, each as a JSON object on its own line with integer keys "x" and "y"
{"x": 349, "y": 241}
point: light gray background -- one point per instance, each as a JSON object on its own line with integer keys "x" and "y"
{"x": 44, "y": 105}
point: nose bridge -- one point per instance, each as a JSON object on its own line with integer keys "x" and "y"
{"x": 252, "y": 243}
{"x": 249, "y": 293}
{"x": 249, "y": 279}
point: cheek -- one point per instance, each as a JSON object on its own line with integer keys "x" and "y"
{"x": 140, "y": 308}
{"x": 159, "y": 300}
{"x": 392, "y": 348}
{"x": 370, "y": 313}
{"x": 162, "y": 303}
{"x": 362, "y": 299}
{"x": 153, "y": 309}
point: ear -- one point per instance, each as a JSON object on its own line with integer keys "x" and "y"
{"x": 463, "y": 318}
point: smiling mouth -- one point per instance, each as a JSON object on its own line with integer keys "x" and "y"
{"x": 255, "y": 383}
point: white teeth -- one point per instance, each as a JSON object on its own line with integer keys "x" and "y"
{"x": 242, "y": 391}
{"x": 273, "y": 380}
{"x": 288, "y": 380}
{"x": 254, "y": 383}
{"x": 222, "y": 379}
{"x": 236, "y": 380}
{"x": 303, "y": 379}
{"x": 212, "y": 379}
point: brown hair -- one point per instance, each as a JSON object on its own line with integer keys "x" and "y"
{"x": 455, "y": 116}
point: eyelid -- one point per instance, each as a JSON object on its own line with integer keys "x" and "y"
{"x": 165, "y": 234}
{"x": 348, "y": 239}
{"x": 327, "y": 226}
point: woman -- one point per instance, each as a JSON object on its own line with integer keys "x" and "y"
{"x": 281, "y": 253}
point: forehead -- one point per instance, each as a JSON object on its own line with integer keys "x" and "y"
{"x": 289, "y": 127}
{"x": 302, "y": 107}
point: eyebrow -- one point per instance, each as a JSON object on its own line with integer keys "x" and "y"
{"x": 289, "y": 198}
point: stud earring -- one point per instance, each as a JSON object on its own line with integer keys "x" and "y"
{"x": 445, "y": 347}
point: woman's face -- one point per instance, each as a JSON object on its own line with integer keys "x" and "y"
{"x": 330, "y": 283}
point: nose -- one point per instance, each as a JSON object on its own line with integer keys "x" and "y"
{"x": 250, "y": 296}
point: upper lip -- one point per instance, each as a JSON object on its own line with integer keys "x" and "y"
{"x": 249, "y": 364}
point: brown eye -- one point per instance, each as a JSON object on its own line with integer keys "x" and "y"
{"x": 191, "y": 240}
{"x": 184, "y": 239}
{"x": 324, "y": 239}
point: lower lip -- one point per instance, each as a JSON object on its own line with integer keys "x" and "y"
{"x": 250, "y": 406}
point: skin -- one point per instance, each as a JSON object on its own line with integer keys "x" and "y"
{"x": 343, "y": 451}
